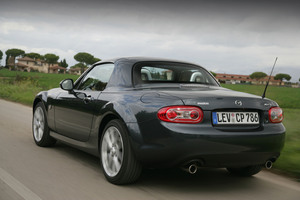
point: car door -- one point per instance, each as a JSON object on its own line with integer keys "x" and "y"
{"x": 74, "y": 111}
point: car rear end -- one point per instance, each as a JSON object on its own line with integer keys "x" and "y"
{"x": 227, "y": 135}
{"x": 212, "y": 126}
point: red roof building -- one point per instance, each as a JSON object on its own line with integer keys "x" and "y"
{"x": 245, "y": 79}
{"x": 57, "y": 69}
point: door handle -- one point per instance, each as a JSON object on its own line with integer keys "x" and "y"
{"x": 88, "y": 99}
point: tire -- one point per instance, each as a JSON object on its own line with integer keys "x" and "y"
{"x": 40, "y": 129}
{"x": 117, "y": 159}
{"x": 245, "y": 171}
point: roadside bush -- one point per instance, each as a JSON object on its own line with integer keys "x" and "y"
{"x": 29, "y": 80}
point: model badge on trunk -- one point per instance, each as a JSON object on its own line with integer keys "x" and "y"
{"x": 203, "y": 103}
{"x": 238, "y": 103}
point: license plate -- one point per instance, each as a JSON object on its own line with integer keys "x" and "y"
{"x": 235, "y": 118}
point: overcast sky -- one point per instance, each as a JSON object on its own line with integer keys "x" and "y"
{"x": 223, "y": 36}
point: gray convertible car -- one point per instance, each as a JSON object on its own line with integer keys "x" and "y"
{"x": 155, "y": 113}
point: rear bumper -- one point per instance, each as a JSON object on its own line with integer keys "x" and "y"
{"x": 162, "y": 144}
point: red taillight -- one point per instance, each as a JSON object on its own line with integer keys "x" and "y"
{"x": 275, "y": 115}
{"x": 181, "y": 114}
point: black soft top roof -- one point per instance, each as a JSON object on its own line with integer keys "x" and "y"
{"x": 122, "y": 74}
{"x": 142, "y": 59}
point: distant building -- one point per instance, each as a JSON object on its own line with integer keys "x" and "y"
{"x": 29, "y": 64}
{"x": 57, "y": 69}
{"x": 75, "y": 70}
{"x": 245, "y": 79}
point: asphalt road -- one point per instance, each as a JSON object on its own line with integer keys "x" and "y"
{"x": 32, "y": 173}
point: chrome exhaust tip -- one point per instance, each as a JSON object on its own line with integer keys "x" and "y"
{"x": 192, "y": 166}
{"x": 268, "y": 164}
{"x": 192, "y": 169}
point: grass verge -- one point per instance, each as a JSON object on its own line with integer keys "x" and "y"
{"x": 289, "y": 161}
{"x": 23, "y": 86}
{"x": 23, "y": 92}
{"x": 44, "y": 81}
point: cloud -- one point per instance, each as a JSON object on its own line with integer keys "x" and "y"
{"x": 8, "y": 27}
{"x": 226, "y": 36}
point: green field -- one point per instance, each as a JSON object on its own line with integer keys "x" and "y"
{"x": 289, "y": 100}
{"x": 286, "y": 97}
{"x": 23, "y": 86}
{"x": 45, "y": 81}
{"x": 289, "y": 161}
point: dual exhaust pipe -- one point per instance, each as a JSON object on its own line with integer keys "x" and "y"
{"x": 192, "y": 169}
{"x": 192, "y": 166}
{"x": 268, "y": 164}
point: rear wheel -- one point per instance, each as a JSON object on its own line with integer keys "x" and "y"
{"x": 118, "y": 161}
{"x": 40, "y": 127}
{"x": 245, "y": 171}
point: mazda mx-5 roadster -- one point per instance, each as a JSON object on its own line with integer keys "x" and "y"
{"x": 136, "y": 113}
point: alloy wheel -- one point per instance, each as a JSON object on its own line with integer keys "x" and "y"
{"x": 38, "y": 124}
{"x": 112, "y": 151}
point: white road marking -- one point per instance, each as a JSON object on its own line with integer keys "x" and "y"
{"x": 17, "y": 186}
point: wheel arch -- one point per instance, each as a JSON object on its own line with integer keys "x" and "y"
{"x": 114, "y": 110}
{"x": 41, "y": 97}
{"x": 106, "y": 119}
{"x": 35, "y": 102}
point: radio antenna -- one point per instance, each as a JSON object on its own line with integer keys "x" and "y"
{"x": 264, "y": 94}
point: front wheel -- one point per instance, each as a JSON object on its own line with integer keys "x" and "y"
{"x": 245, "y": 171}
{"x": 118, "y": 161}
{"x": 40, "y": 127}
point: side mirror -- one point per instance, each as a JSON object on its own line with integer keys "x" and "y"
{"x": 67, "y": 84}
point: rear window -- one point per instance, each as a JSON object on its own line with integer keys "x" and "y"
{"x": 158, "y": 72}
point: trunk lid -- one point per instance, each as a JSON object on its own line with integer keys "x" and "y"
{"x": 218, "y": 98}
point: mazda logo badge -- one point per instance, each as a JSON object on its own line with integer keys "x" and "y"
{"x": 238, "y": 103}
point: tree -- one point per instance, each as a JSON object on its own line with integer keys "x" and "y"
{"x": 51, "y": 59}
{"x": 96, "y": 60}
{"x": 33, "y": 55}
{"x": 282, "y": 76}
{"x": 1, "y": 54}
{"x": 86, "y": 59}
{"x": 63, "y": 63}
{"x": 42, "y": 57}
{"x": 80, "y": 65}
{"x": 258, "y": 75}
{"x": 213, "y": 73}
{"x": 13, "y": 53}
